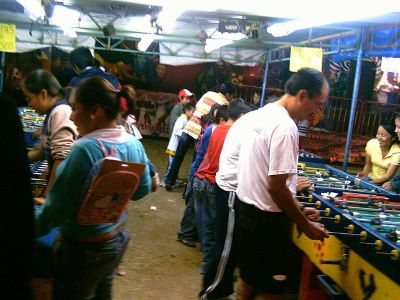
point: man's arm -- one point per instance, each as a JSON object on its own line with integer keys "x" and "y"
{"x": 282, "y": 196}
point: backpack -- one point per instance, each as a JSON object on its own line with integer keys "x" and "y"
{"x": 110, "y": 190}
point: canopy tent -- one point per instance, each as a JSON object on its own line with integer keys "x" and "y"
{"x": 193, "y": 28}
{"x": 186, "y": 41}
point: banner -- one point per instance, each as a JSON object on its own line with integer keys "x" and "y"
{"x": 152, "y": 112}
{"x": 303, "y": 57}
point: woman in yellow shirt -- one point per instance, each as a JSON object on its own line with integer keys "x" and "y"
{"x": 382, "y": 155}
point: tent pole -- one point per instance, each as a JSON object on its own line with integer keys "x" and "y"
{"x": 354, "y": 97}
{"x": 2, "y": 69}
{"x": 264, "y": 86}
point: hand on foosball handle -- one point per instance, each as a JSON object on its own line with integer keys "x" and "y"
{"x": 387, "y": 185}
{"x": 311, "y": 213}
{"x": 303, "y": 184}
{"x": 362, "y": 176}
{"x": 315, "y": 231}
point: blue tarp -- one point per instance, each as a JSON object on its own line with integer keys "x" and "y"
{"x": 380, "y": 42}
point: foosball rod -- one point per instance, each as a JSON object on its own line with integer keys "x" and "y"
{"x": 363, "y": 234}
{"x": 381, "y": 222}
{"x": 380, "y": 215}
{"x": 382, "y": 209}
{"x": 364, "y": 203}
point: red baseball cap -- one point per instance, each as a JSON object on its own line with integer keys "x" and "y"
{"x": 185, "y": 93}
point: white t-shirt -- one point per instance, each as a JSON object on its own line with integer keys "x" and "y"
{"x": 226, "y": 177}
{"x": 176, "y": 134}
{"x": 269, "y": 148}
{"x": 303, "y": 127}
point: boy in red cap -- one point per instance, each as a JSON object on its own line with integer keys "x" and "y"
{"x": 184, "y": 98}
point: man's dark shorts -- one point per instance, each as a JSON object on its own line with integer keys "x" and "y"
{"x": 263, "y": 242}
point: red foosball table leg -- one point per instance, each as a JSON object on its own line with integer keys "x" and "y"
{"x": 309, "y": 288}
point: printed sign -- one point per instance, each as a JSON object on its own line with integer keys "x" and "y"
{"x": 7, "y": 37}
{"x": 303, "y": 57}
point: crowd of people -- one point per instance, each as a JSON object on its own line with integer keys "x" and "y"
{"x": 239, "y": 195}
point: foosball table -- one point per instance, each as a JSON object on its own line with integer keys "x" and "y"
{"x": 309, "y": 157}
{"x": 325, "y": 177}
{"x": 38, "y": 172}
{"x": 361, "y": 258}
{"x": 31, "y": 121}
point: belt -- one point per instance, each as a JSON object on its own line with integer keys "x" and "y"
{"x": 100, "y": 238}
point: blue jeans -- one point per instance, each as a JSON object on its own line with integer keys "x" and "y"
{"x": 188, "y": 226}
{"x": 204, "y": 208}
{"x": 185, "y": 142}
{"x": 85, "y": 270}
{"x": 170, "y": 160}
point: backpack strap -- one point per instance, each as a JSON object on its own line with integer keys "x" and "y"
{"x": 112, "y": 152}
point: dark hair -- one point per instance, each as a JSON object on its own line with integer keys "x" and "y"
{"x": 222, "y": 112}
{"x": 210, "y": 117}
{"x": 226, "y": 88}
{"x": 238, "y": 107}
{"x": 66, "y": 92}
{"x": 188, "y": 106}
{"x": 42, "y": 79}
{"x": 81, "y": 57}
{"x": 390, "y": 127}
{"x": 98, "y": 91}
{"x": 307, "y": 79}
{"x": 129, "y": 93}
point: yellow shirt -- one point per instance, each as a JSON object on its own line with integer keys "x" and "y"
{"x": 381, "y": 165}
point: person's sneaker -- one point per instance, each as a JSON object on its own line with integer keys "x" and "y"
{"x": 162, "y": 184}
{"x": 168, "y": 187}
{"x": 179, "y": 183}
{"x": 186, "y": 242}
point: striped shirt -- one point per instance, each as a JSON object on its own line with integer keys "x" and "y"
{"x": 203, "y": 106}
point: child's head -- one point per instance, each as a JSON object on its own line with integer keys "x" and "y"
{"x": 221, "y": 115}
{"x": 189, "y": 109}
{"x": 184, "y": 96}
{"x": 238, "y": 107}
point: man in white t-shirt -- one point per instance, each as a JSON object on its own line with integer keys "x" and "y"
{"x": 267, "y": 185}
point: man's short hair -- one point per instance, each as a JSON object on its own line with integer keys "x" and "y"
{"x": 81, "y": 57}
{"x": 307, "y": 79}
{"x": 226, "y": 88}
{"x": 222, "y": 112}
{"x": 238, "y": 107}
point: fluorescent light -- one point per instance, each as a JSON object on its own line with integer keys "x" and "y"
{"x": 69, "y": 32}
{"x": 141, "y": 24}
{"x": 33, "y": 8}
{"x": 220, "y": 39}
{"x": 369, "y": 9}
{"x": 214, "y": 44}
{"x": 167, "y": 17}
{"x": 277, "y": 9}
{"x": 63, "y": 16}
{"x": 145, "y": 42}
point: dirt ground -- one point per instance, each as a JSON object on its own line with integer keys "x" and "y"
{"x": 156, "y": 265}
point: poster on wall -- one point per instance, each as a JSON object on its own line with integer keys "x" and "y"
{"x": 387, "y": 85}
{"x": 152, "y": 112}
